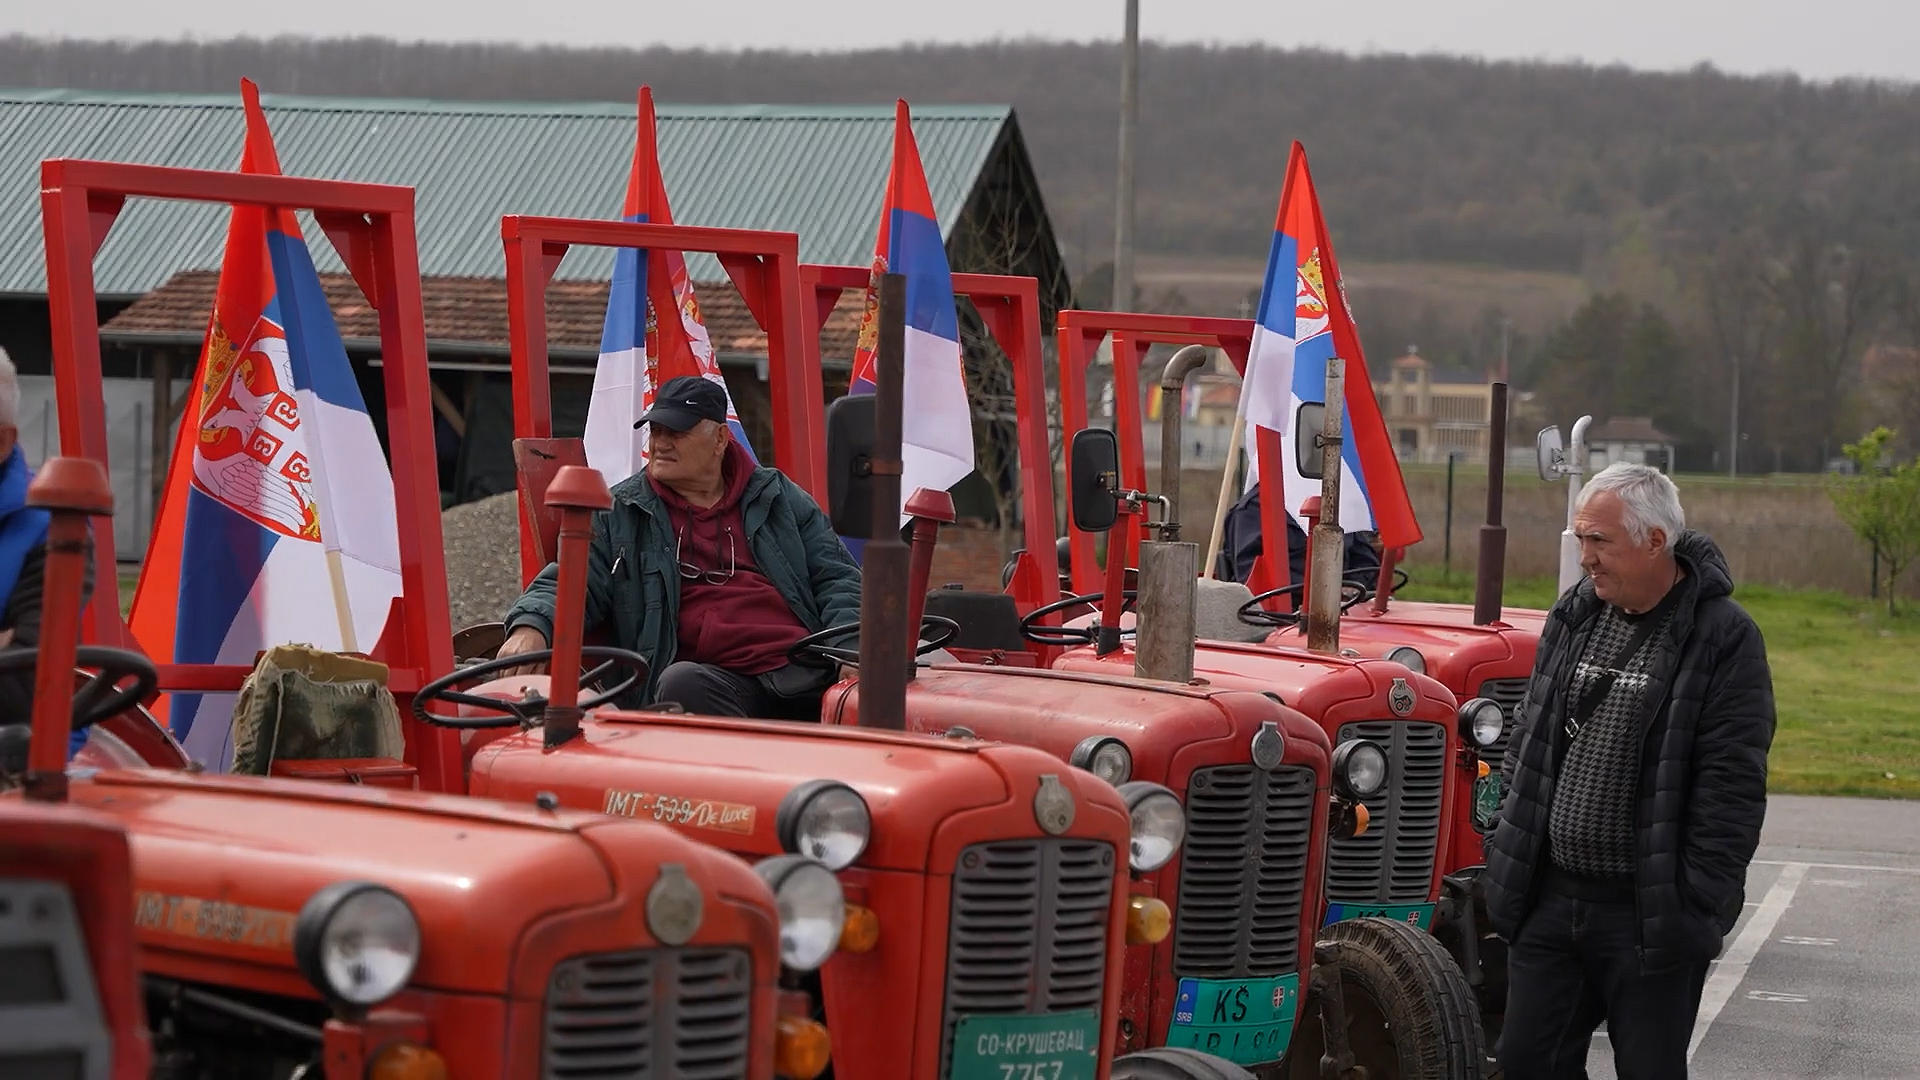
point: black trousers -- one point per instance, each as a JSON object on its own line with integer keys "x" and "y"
{"x": 1574, "y": 964}
{"x": 707, "y": 690}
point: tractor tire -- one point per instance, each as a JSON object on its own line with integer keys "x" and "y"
{"x": 1410, "y": 1013}
{"x": 1176, "y": 1063}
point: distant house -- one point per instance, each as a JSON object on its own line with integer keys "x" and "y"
{"x": 1629, "y": 438}
{"x": 1432, "y": 412}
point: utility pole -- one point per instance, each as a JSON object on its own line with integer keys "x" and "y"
{"x": 1733, "y": 433}
{"x": 1129, "y": 120}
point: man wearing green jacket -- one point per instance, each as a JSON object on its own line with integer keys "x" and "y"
{"x": 710, "y": 567}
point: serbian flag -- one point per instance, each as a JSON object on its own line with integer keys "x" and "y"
{"x": 277, "y": 525}
{"x": 937, "y": 422}
{"x": 640, "y": 349}
{"x": 1303, "y": 321}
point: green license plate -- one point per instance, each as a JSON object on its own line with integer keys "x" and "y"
{"x": 1246, "y": 1021}
{"x": 1417, "y": 915}
{"x": 1486, "y": 800}
{"x": 1050, "y": 1046}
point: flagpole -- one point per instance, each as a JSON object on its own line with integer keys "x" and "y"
{"x": 342, "y": 608}
{"x": 1226, "y": 485}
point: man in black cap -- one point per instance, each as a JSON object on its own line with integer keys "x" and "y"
{"x": 710, "y": 567}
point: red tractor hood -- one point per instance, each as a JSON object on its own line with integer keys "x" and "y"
{"x": 724, "y": 780}
{"x": 222, "y": 866}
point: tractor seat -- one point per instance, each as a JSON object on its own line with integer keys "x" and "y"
{"x": 988, "y": 620}
{"x": 1216, "y": 613}
{"x": 312, "y": 714}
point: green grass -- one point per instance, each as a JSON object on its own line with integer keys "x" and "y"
{"x": 128, "y": 579}
{"x": 1846, "y": 684}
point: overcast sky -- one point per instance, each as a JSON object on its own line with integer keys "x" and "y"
{"x": 1815, "y": 38}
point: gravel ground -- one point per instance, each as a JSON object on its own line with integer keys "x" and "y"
{"x": 483, "y": 558}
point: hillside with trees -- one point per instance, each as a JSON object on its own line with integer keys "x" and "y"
{"x": 1768, "y": 223}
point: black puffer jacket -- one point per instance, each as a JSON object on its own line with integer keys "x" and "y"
{"x": 1703, "y": 765}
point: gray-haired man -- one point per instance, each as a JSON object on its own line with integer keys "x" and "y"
{"x": 1637, "y": 782}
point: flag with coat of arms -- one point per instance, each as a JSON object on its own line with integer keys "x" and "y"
{"x": 1302, "y": 322}
{"x": 652, "y": 332}
{"x": 937, "y": 420}
{"x": 277, "y": 524}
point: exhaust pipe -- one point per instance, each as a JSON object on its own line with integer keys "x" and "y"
{"x": 1169, "y": 585}
{"x": 886, "y": 653}
{"x": 1490, "y": 580}
{"x": 1329, "y": 547}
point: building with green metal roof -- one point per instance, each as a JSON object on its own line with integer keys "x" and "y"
{"x": 816, "y": 170}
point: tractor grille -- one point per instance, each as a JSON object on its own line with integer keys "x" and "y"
{"x": 1243, "y": 870}
{"x": 649, "y": 1013}
{"x": 1029, "y": 931}
{"x": 1508, "y": 694}
{"x": 1392, "y": 862}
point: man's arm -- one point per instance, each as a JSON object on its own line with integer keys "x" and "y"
{"x": 535, "y": 607}
{"x": 1729, "y": 771}
{"x": 831, "y": 572}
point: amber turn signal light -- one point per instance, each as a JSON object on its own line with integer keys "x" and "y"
{"x": 861, "y": 931}
{"x": 801, "y": 1047}
{"x": 1148, "y": 920}
{"x": 1360, "y": 818}
{"x": 407, "y": 1061}
{"x": 1484, "y": 770}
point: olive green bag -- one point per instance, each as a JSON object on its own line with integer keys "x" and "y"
{"x": 302, "y": 703}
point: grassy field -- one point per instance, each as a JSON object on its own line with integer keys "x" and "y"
{"x": 1846, "y": 680}
{"x": 1846, "y": 683}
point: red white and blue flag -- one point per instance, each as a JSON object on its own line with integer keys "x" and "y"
{"x": 1303, "y": 322}
{"x": 937, "y": 421}
{"x": 277, "y": 525}
{"x": 652, "y": 332}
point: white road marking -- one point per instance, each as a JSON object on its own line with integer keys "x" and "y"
{"x": 1732, "y": 967}
{"x": 1840, "y": 866}
{"x": 1821, "y": 941}
{"x": 1837, "y": 883}
{"x": 1775, "y": 995}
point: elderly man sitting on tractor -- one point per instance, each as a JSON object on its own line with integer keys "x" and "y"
{"x": 23, "y": 554}
{"x": 710, "y": 567}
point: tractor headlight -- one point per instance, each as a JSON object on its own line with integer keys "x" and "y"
{"x": 824, "y": 820}
{"x": 1105, "y": 757}
{"x": 1359, "y": 769}
{"x": 1159, "y": 825}
{"x": 813, "y": 910}
{"x": 1481, "y": 722}
{"x": 1409, "y": 657}
{"x": 357, "y": 942}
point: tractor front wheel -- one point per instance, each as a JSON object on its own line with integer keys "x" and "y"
{"x": 1176, "y": 1063}
{"x": 1408, "y": 1010}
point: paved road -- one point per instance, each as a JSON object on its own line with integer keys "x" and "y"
{"x": 1821, "y": 979}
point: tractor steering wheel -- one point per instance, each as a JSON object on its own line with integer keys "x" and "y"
{"x": 1400, "y": 580}
{"x": 1253, "y": 614}
{"x": 102, "y": 697}
{"x": 1069, "y": 636}
{"x": 814, "y": 652}
{"x": 529, "y": 710}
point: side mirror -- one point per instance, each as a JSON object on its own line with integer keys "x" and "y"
{"x": 850, "y": 423}
{"x": 1552, "y": 455}
{"x": 1308, "y": 422}
{"x": 1096, "y": 479}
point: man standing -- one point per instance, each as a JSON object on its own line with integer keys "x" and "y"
{"x": 1637, "y": 783}
{"x": 710, "y": 567}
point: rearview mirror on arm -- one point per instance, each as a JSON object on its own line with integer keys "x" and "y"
{"x": 1095, "y": 455}
{"x": 850, "y": 423}
{"x": 1308, "y": 421}
{"x": 1551, "y": 454}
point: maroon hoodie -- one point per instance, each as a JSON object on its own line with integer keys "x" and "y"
{"x": 742, "y": 624}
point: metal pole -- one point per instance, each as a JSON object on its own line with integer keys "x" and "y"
{"x": 1733, "y": 434}
{"x": 1329, "y": 542}
{"x": 1446, "y": 559}
{"x": 1123, "y": 203}
{"x": 1490, "y": 580}
{"x": 885, "y": 648}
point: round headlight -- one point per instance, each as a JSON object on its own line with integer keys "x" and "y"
{"x": 1481, "y": 722}
{"x": 357, "y": 942}
{"x": 1159, "y": 825}
{"x": 1105, "y": 757}
{"x": 1409, "y": 657}
{"x": 813, "y": 910}
{"x": 1359, "y": 769}
{"x": 824, "y": 820}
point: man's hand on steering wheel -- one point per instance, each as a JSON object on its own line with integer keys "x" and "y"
{"x": 815, "y": 650}
{"x": 524, "y": 639}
